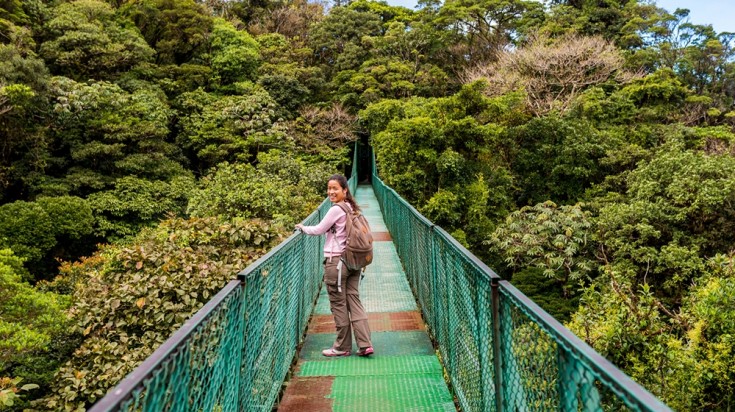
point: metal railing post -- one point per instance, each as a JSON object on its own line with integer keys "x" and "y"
{"x": 434, "y": 322}
{"x": 497, "y": 352}
{"x": 481, "y": 305}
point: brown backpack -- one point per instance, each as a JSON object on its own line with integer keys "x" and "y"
{"x": 358, "y": 251}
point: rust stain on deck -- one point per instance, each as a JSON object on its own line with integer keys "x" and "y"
{"x": 382, "y": 237}
{"x": 379, "y": 322}
{"x": 307, "y": 394}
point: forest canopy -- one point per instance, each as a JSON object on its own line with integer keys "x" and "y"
{"x": 583, "y": 149}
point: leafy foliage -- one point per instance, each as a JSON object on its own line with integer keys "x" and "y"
{"x": 556, "y": 158}
{"x": 85, "y": 40}
{"x": 177, "y": 30}
{"x": 286, "y": 74}
{"x": 481, "y": 29}
{"x": 128, "y": 301}
{"x": 23, "y": 88}
{"x": 441, "y": 158}
{"x": 280, "y": 189}
{"x": 135, "y": 203}
{"x": 497, "y": 119}
{"x": 31, "y": 323}
{"x": 694, "y": 350}
{"x": 9, "y": 390}
{"x": 548, "y": 237}
{"x": 231, "y": 128}
{"x": 676, "y": 215}
{"x": 27, "y": 229}
{"x": 46, "y": 230}
{"x": 104, "y": 133}
{"x": 387, "y": 78}
{"x": 30, "y": 318}
{"x": 337, "y": 40}
{"x": 234, "y": 54}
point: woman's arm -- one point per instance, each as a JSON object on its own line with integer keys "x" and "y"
{"x": 329, "y": 220}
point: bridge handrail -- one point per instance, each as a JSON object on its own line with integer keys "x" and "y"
{"x": 228, "y": 353}
{"x": 501, "y": 351}
{"x": 229, "y": 344}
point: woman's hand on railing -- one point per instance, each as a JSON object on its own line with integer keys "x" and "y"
{"x": 299, "y": 227}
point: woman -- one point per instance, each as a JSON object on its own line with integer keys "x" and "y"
{"x": 342, "y": 284}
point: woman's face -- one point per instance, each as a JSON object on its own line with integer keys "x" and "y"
{"x": 335, "y": 192}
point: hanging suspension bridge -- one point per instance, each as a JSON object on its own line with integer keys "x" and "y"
{"x": 448, "y": 333}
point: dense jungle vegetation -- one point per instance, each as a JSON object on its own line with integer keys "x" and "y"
{"x": 152, "y": 148}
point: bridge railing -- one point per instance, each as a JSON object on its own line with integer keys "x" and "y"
{"x": 501, "y": 351}
{"x": 235, "y": 352}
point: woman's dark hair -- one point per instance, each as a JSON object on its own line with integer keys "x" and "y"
{"x": 343, "y": 184}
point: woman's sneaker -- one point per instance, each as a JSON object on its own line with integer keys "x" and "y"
{"x": 365, "y": 351}
{"x": 335, "y": 352}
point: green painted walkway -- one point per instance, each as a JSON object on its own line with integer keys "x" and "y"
{"x": 404, "y": 374}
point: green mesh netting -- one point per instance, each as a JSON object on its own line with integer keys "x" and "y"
{"x": 500, "y": 350}
{"x": 234, "y": 354}
{"x": 237, "y": 355}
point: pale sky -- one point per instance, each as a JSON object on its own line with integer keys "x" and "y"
{"x": 719, "y": 13}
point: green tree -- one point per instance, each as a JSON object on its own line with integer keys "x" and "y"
{"x": 234, "y": 54}
{"x": 27, "y": 229}
{"x": 387, "y": 78}
{"x": 554, "y": 158}
{"x": 656, "y": 95}
{"x": 662, "y": 349}
{"x": 18, "y": 19}
{"x": 707, "y": 351}
{"x": 480, "y": 29}
{"x": 287, "y": 91}
{"x": 549, "y": 237}
{"x": 656, "y": 308}
{"x": 444, "y": 156}
{"x": 624, "y": 323}
{"x": 177, "y": 30}
{"x": 388, "y": 13}
{"x": 172, "y": 79}
{"x": 337, "y": 40}
{"x": 73, "y": 227}
{"x": 627, "y": 23}
{"x": 30, "y": 321}
{"x": 44, "y": 231}
{"x": 12, "y": 12}
{"x": 104, "y": 133}
{"x": 23, "y": 101}
{"x": 135, "y": 203}
{"x": 285, "y": 60}
{"x": 87, "y": 41}
{"x": 230, "y": 128}
{"x": 280, "y": 189}
{"x": 701, "y": 59}
{"x": 673, "y": 216}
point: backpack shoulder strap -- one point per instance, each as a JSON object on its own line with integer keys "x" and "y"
{"x": 344, "y": 207}
{"x": 348, "y": 213}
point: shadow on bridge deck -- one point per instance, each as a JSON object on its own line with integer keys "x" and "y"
{"x": 403, "y": 374}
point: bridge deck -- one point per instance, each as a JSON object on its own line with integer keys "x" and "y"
{"x": 404, "y": 373}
